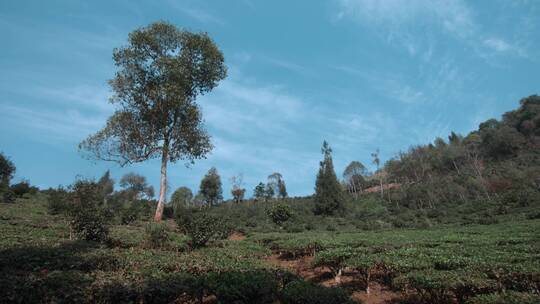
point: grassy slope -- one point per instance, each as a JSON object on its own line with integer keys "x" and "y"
{"x": 35, "y": 247}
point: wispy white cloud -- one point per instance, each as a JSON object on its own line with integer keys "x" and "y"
{"x": 59, "y": 114}
{"x": 504, "y": 47}
{"x": 410, "y": 25}
{"x": 199, "y": 14}
{"x": 291, "y": 66}
{"x": 80, "y": 96}
{"x": 51, "y": 126}
{"x": 452, "y": 15}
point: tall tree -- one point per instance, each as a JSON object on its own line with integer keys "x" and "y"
{"x": 210, "y": 187}
{"x": 354, "y": 177}
{"x": 268, "y": 192}
{"x": 328, "y": 193}
{"x": 377, "y": 162}
{"x": 276, "y": 182}
{"x": 282, "y": 189}
{"x": 106, "y": 183}
{"x": 273, "y": 181}
{"x": 160, "y": 74}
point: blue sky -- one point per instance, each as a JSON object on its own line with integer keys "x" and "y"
{"x": 362, "y": 74}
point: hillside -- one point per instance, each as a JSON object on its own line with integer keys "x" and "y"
{"x": 476, "y": 264}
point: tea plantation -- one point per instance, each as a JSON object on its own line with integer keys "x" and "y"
{"x": 497, "y": 263}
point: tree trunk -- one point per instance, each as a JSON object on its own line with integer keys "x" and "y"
{"x": 337, "y": 278}
{"x": 382, "y": 191}
{"x": 162, "y": 185}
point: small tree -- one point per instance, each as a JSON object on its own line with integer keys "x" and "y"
{"x": 328, "y": 195}
{"x": 354, "y": 177}
{"x": 259, "y": 192}
{"x": 21, "y": 188}
{"x": 210, "y": 187}
{"x": 237, "y": 191}
{"x": 161, "y": 73}
{"x": 268, "y": 192}
{"x": 88, "y": 219}
{"x": 137, "y": 186}
{"x": 7, "y": 170}
{"x": 181, "y": 198}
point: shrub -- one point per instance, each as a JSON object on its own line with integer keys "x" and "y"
{"x": 279, "y": 213}
{"x": 506, "y": 298}
{"x": 243, "y": 287}
{"x": 293, "y": 227}
{"x": 88, "y": 219}
{"x": 7, "y": 196}
{"x": 157, "y": 235}
{"x": 533, "y": 216}
{"x": 128, "y": 214}
{"x": 203, "y": 227}
{"x": 174, "y": 288}
{"x": 301, "y": 292}
{"x": 57, "y": 201}
{"x": 90, "y": 225}
{"x": 22, "y": 188}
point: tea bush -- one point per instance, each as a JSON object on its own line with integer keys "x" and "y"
{"x": 243, "y": 287}
{"x": 301, "y": 292}
{"x": 156, "y": 235}
{"x": 203, "y": 227}
{"x": 279, "y": 213}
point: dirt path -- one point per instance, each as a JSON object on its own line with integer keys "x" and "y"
{"x": 301, "y": 266}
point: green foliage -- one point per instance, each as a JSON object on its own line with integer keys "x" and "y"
{"x": 328, "y": 193}
{"x": 506, "y": 298}
{"x": 58, "y": 201}
{"x": 333, "y": 258}
{"x": 300, "y": 292}
{"x": 136, "y": 186}
{"x": 88, "y": 219}
{"x": 353, "y": 176}
{"x": 243, "y": 287}
{"x": 181, "y": 198}
{"x": 259, "y": 192}
{"x": 499, "y": 162}
{"x": 203, "y": 227}
{"x": 210, "y": 187}
{"x": 22, "y": 188}
{"x": 279, "y": 213}
{"x": 7, "y": 170}
{"x": 156, "y": 235}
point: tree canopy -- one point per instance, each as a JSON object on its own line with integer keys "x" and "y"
{"x": 210, "y": 187}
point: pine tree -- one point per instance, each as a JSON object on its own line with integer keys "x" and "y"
{"x": 328, "y": 194}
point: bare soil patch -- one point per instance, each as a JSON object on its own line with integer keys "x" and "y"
{"x": 237, "y": 236}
